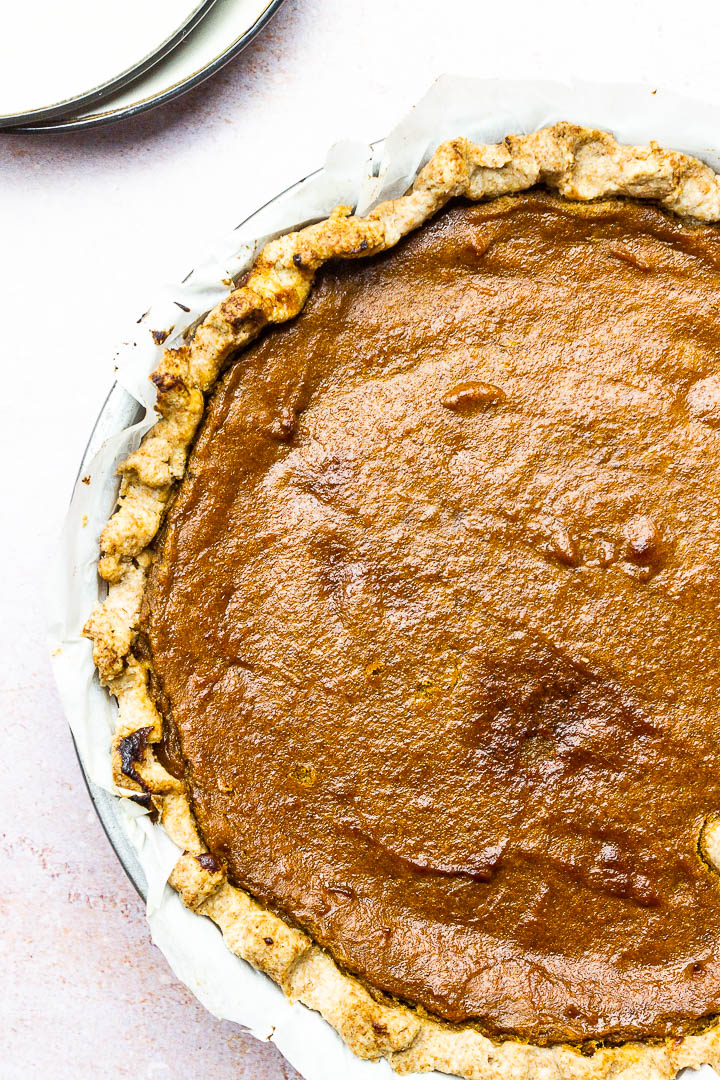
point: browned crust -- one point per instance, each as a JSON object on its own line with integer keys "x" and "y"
{"x": 580, "y": 164}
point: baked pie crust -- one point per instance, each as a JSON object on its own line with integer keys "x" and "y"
{"x": 580, "y": 165}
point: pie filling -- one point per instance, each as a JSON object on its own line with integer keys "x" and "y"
{"x": 434, "y": 623}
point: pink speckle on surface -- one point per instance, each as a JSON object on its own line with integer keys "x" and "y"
{"x": 85, "y": 992}
{"x": 90, "y": 224}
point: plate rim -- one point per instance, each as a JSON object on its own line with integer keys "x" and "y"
{"x": 65, "y": 122}
{"x": 9, "y": 121}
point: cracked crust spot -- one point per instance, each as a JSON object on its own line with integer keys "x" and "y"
{"x": 578, "y": 163}
{"x": 709, "y": 843}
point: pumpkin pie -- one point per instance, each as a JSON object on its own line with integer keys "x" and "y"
{"x": 412, "y": 613}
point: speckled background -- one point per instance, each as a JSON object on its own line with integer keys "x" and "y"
{"x": 90, "y": 223}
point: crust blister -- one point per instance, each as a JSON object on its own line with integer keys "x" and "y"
{"x": 580, "y": 164}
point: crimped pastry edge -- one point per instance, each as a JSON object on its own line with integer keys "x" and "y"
{"x": 580, "y": 164}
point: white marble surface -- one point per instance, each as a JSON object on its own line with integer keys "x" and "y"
{"x": 90, "y": 223}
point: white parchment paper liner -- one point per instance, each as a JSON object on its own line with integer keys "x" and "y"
{"x": 484, "y": 110}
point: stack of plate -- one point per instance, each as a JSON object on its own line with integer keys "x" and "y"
{"x": 80, "y": 63}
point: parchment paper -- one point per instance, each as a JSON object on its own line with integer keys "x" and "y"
{"x": 485, "y": 110}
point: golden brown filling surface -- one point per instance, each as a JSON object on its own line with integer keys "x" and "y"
{"x": 436, "y": 621}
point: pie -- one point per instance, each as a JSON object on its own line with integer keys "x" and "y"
{"x": 412, "y": 613}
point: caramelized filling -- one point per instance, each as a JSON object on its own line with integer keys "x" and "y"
{"x": 435, "y": 621}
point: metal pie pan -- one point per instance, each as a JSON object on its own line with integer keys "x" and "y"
{"x": 120, "y": 411}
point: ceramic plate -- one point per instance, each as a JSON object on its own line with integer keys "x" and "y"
{"x": 220, "y": 35}
{"x": 56, "y": 57}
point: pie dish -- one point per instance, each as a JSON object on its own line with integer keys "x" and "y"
{"x": 416, "y": 658}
